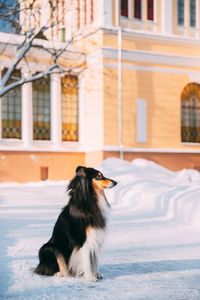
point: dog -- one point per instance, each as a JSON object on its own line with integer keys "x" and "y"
{"x": 78, "y": 234}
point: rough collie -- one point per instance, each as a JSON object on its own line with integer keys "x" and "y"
{"x": 78, "y": 235}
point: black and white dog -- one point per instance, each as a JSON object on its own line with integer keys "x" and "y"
{"x": 78, "y": 235}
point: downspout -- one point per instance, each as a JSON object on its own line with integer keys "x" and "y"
{"x": 120, "y": 91}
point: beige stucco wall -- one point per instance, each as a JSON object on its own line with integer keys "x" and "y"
{"x": 22, "y": 166}
{"x": 162, "y": 93}
{"x": 159, "y": 83}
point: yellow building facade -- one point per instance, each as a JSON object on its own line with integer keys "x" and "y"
{"x": 159, "y": 64}
{"x": 137, "y": 96}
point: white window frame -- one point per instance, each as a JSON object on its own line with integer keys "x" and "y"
{"x": 26, "y": 142}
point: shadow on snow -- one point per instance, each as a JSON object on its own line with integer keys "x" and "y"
{"x": 117, "y": 270}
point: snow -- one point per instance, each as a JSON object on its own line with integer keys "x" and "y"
{"x": 152, "y": 249}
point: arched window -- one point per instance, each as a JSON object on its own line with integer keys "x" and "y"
{"x": 190, "y": 113}
{"x": 11, "y": 111}
{"x": 69, "y": 92}
{"x": 41, "y": 109}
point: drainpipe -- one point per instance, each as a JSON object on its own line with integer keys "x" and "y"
{"x": 120, "y": 91}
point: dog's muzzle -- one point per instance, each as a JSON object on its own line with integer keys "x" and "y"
{"x": 112, "y": 183}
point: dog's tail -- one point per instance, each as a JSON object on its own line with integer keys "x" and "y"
{"x": 48, "y": 263}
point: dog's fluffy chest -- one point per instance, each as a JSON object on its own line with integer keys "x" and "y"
{"x": 94, "y": 239}
{"x": 103, "y": 204}
{"x": 93, "y": 244}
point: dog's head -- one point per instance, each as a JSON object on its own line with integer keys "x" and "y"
{"x": 97, "y": 179}
{"x": 90, "y": 179}
{"x": 85, "y": 191}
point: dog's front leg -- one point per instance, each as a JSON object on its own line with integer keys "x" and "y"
{"x": 95, "y": 266}
{"x": 87, "y": 264}
{"x": 63, "y": 271}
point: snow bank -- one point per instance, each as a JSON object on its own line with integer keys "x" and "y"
{"x": 152, "y": 191}
{"x": 152, "y": 249}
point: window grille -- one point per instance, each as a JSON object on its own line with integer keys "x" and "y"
{"x": 192, "y": 13}
{"x": 190, "y": 113}
{"x": 41, "y": 109}
{"x": 181, "y": 10}
{"x": 150, "y": 10}
{"x": 137, "y": 9}
{"x": 124, "y": 8}
{"x": 92, "y": 11}
{"x": 69, "y": 92}
{"x": 11, "y": 111}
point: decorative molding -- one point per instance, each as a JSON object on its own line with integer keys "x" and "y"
{"x": 194, "y": 75}
{"x": 152, "y": 57}
{"x": 152, "y": 150}
{"x": 150, "y": 36}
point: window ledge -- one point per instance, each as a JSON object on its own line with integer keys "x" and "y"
{"x": 190, "y": 144}
{"x": 42, "y": 143}
{"x": 42, "y": 148}
{"x": 124, "y": 18}
{"x": 149, "y": 22}
{"x": 10, "y": 141}
{"x": 71, "y": 144}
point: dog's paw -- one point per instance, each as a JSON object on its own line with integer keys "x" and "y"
{"x": 91, "y": 279}
{"x": 99, "y": 275}
{"x": 61, "y": 274}
{"x": 58, "y": 274}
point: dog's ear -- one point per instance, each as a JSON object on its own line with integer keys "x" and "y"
{"x": 80, "y": 171}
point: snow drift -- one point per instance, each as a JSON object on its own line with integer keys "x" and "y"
{"x": 152, "y": 249}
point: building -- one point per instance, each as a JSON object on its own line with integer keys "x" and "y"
{"x": 138, "y": 95}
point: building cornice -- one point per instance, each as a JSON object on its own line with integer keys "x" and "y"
{"x": 111, "y": 148}
{"x": 152, "y": 57}
{"x": 149, "y": 36}
{"x": 77, "y": 148}
{"x": 9, "y": 42}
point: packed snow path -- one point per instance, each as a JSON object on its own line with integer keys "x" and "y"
{"x": 152, "y": 250}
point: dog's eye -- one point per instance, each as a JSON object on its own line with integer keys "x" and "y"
{"x": 99, "y": 177}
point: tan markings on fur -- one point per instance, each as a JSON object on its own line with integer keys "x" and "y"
{"x": 100, "y": 184}
{"x": 63, "y": 271}
{"x": 88, "y": 229}
{"x": 100, "y": 191}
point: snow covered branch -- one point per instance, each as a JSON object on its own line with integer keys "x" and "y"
{"x": 33, "y": 42}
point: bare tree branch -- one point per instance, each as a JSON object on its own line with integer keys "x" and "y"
{"x": 30, "y": 38}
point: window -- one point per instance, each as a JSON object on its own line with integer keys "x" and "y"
{"x": 124, "y": 8}
{"x": 137, "y": 9}
{"x": 192, "y": 13}
{"x": 150, "y": 8}
{"x": 41, "y": 109}
{"x": 11, "y": 111}
{"x": 190, "y": 113}
{"x": 181, "y": 12}
{"x": 91, "y": 10}
{"x": 69, "y": 92}
{"x": 79, "y": 14}
{"x": 9, "y": 16}
{"x": 85, "y": 12}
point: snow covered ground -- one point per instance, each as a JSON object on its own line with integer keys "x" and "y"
{"x": 152, "y": 249}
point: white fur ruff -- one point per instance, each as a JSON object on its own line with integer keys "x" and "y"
{"x": 85, "y": 260}
{"x": 81, "y": 259}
